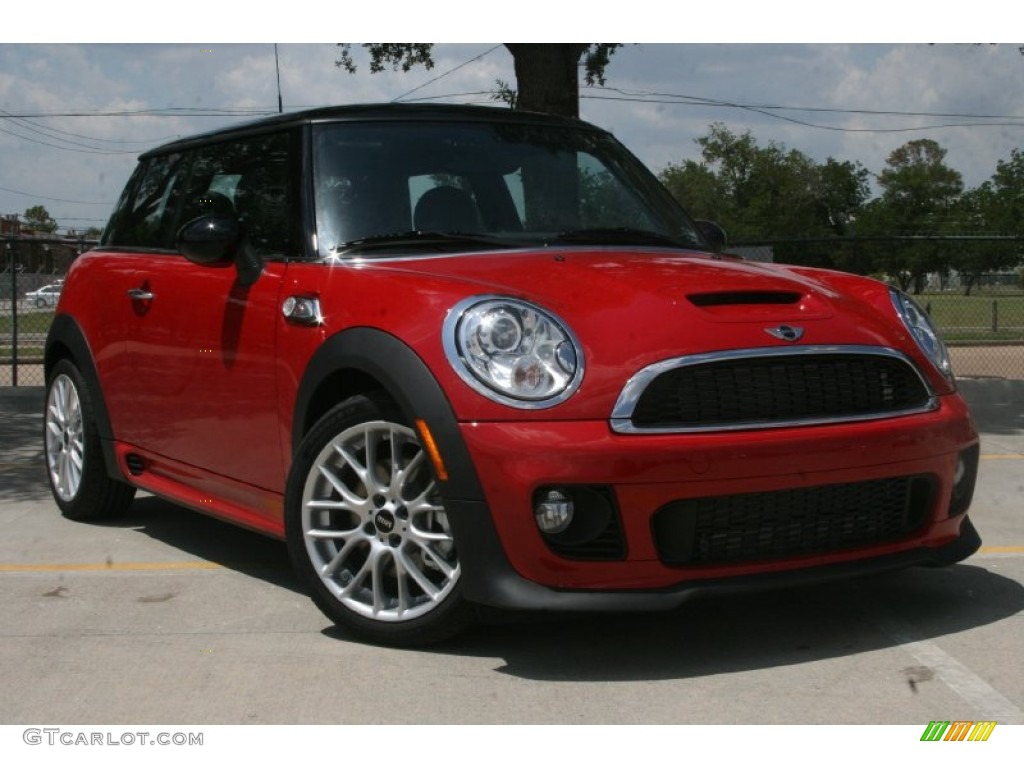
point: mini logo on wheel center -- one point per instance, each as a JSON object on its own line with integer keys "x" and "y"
{"x": 786, "y": 332}
{"x": 384, "y": 521}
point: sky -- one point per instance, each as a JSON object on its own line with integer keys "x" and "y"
{"x": 78, "y": 105}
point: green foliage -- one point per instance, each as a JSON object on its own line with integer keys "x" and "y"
{"x": 39, "y": 219}
{"x": 761, "y": 192}
{"x": 596, "y": 58}
{"x": 1005, "y": 204}
{"x": 920, "y": 195}
{"x": 771, "y": 194}
{"x": 402, "y": 56}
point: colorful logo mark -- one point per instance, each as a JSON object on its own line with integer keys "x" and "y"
{"x": 958, "y": 730}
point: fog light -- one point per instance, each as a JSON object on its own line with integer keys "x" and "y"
{"x": 961, "y": 470}
{"x": 553, "y": 511}
{"x": 963, "y": 481}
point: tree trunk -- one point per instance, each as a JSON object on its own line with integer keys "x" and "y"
{"x": 547, "y": 76}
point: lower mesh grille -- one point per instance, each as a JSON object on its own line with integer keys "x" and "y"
{"x": 803, "y": 521}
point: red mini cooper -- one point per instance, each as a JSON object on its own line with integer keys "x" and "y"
{"x": 464, "y": 356}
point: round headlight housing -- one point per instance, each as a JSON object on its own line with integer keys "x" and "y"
{"x": 924, "y": 332}
{"x": 512, "y": 351}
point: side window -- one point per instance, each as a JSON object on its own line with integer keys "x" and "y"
{"x": 249, "y": 178}
{"x": 147, "y": 213}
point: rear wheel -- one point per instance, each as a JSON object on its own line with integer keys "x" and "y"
{"x": 367, "y": 529}
{"x": 74, "y": 457}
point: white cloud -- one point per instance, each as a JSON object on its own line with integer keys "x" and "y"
{"x": 61, "y": 78}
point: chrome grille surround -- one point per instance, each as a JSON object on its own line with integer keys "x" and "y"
{"x": 622, "y": 414}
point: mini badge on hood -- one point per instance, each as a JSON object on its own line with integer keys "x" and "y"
{"x": 786, "y": 332}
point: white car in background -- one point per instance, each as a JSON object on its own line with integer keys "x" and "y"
{"x": 46, "y": 296}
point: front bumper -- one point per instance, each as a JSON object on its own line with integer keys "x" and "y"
{"x": 508, "y": 562}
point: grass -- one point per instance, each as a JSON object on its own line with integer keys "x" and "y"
{"x": 28, "y": 322}
{"x": 976, "y": 318}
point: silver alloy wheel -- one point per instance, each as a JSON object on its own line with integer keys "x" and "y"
{"x": 374, "y": 527}
{"x": 65, "y": 437}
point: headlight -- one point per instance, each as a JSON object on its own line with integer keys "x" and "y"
{"x": 923, "y": 331}
{"x": 512, "y": 352}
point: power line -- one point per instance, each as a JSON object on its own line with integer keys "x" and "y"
{"x": 53, "y": 199}
{"x": 151, "y": 112}
{"x": 445, "y": 74}
{"x": 707, "y": 101}
{"x": 49, "y": 131}
{"x": 90, "y": 151}
{"x": 656, "y": 98}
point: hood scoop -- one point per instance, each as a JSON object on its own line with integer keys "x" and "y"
{"x": 743, "y": 298}
{"x": 760, "y": 306}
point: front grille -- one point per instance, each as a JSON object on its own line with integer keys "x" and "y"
{"x": 797, "y": 522}
{"x": 761, "y": 391}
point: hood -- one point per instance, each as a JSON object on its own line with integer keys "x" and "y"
{"x": 684, "y": 302}
{"x": 630, "y": 308}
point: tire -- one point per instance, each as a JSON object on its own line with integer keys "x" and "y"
{"x": 40, "y": 302}
{"x": 74, "y": 457}
{"x": 367, "y": 531}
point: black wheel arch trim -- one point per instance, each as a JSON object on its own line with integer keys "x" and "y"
{"x": 408, "y": 380}
{"x": 65, "y": 332}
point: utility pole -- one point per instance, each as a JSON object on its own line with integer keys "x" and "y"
{"x": 277, "y": 67}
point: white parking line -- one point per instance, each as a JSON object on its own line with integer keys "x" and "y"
{"x": 987, "y": 702}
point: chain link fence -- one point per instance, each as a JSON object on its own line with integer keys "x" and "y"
{"x": 980, "y": 314}
{"x": 31, "y": 277}
{"x": 978, "y": 309}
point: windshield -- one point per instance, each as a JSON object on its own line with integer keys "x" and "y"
{"x": 383, "y": 187}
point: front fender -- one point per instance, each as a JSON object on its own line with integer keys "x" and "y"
{"x": 394, "y": 366}
{"x": 406, "y": 378}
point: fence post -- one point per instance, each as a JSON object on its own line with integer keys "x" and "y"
{"x": 14, "y": 315}
{"x": 995, "y": 316}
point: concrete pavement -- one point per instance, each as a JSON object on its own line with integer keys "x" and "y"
{"x": 170, "y": 617}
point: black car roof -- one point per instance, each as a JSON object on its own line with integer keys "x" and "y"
{"x": 360, "y": 112}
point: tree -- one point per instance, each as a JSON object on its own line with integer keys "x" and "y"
{"x": 976, "y": 258}
{"x": 547, "y": 74}
{"x": 1005, "y": 212}
{"x": 997, "y": 206}
{"x": 919, "y": 196}
{"x": 39, "y": 219}
{"x": 768, "y": 192}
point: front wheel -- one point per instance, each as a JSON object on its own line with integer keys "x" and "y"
{"x": 367, "y": 529}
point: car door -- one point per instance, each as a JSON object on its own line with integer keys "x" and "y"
{"x": 200, "y": 346}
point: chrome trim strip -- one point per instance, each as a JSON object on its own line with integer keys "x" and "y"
{"x": 622, "y": 414}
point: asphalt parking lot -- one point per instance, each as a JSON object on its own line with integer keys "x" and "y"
{"x": 170, "y": 617}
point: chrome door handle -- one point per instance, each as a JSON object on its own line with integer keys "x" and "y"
{"x": 139, "y": 294}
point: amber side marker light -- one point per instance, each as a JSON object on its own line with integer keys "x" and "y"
{"x": 432, "y": 451}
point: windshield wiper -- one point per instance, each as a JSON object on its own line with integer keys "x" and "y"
{"x": 419, "y": 239}
{"x": 625, "y": 236}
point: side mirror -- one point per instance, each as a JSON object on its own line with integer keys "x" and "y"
{"x": 217, "y": 241}
{"x": 713, "y": 233}
{"x": 209, "y": 240}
